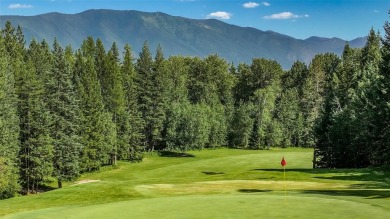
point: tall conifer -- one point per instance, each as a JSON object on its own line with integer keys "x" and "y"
{"x": 65, "y": 114}
{"x": 9, "y": 128}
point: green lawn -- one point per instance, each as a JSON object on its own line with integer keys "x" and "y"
{"x": 223, "y": 183}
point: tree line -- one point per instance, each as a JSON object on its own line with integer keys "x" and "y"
{"x": 64, "y": 112}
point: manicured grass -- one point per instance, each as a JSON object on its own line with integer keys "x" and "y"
{"x": 223, "y": 183}
{"x": 218, "y": 206}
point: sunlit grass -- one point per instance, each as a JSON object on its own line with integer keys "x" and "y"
{"x": 226, "y": 176}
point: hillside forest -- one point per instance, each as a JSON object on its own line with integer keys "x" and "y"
{"x": 67, "y": 111}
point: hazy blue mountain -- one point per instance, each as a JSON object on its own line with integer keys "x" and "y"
{"x": 176, "y": 35}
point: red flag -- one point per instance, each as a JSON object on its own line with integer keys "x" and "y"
{"x": 283, "y": 163}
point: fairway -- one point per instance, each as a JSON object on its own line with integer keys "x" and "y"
{"x": 223, "y": 183}
{"x": 218, "y": 206}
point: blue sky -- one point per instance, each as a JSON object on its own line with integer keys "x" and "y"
{"x": 345, "y": 19}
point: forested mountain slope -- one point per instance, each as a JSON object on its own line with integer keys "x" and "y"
{"x": 177, "y": 35}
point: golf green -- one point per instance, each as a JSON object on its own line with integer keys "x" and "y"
{"x": 256, "y": 205}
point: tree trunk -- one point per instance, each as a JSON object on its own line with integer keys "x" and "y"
{"x": 113, "y": 159}
{"x": 59, "y": 184}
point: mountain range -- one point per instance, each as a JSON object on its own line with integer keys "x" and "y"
{"x": 176, "y": 35}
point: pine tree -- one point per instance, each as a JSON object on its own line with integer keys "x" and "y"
{"x": 36, "y": 153}
{"x": 41, "y": 58}
{"x": 131, "y": 128}
{"x": 366, "y": 104}
{"x": 384, "y": 148}
{"x": 150, "y": 98}
{"x": 65, "y": 114}
{"x": 9, "y": 128}
{"x": 319, "y": 114}
{"x": 96, "y": 125}
{"x": 115, "y": 100}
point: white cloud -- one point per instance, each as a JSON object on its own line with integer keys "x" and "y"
{"x": 266, "y": 4}
{"x": 220, "y": 15}
{"x": 250, "y": 5}
{"x": 255, "y": 4}
{"x": 18, "y": 6}
{"x": 284, "y": 16}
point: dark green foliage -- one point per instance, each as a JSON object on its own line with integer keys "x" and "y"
{"x": 211, "y": 83}
{"x": 289, "y": 116}
{"x": 132, "y": 127}
{"x": 150, "y": 99}
{"x": 65, "y": 121}
{"x": 9, "y": 128}
{"x": 242, "y": 125}
{"x": 175, "y": 79}
{"x": 97, "y": 132}
{"x": 291, "y": 107}
{"x": 351, "y": 129}
{"x": 383, "y": 149}
{"x": 187, "y": 127}
{"x": 264, "y": 133}
{"x": 36, "y": 152}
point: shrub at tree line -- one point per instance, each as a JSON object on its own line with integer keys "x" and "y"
{"x": 64, "y": 112}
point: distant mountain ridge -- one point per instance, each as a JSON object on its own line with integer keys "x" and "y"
{"x": 176, "y": 35}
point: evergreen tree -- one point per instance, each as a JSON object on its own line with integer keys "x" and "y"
{"x": 41, "y": 58}
{"x": 383, "y": 150}
{"x": 115, "y": 100}
{"x": 36, "y": 152}
{"x": 366, "y": 104}
{"x": 132, "y": 127}
{"x": 321, "y": 86}
{"x": 9, "y": 128}
{"x": 65, "y": 115}
{"x": 348, "y": 76}
{"x": 150, "y": 98}
{"x": 96, "y": 124}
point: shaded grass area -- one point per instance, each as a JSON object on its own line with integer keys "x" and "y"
{"x": 370, "y": 194}
{"x": 367, "y": 178}
{"x": 209, "y": 173}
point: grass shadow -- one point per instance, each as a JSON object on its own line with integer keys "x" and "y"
{"x": 254, "y": 190}
{"x": 281, "y": 170}
{"x": 370, "y": 178}
{"x": 212, "y": 173}
{"x": 262, "y": 178}
{"x": 174, "y": 154}
{"x": 369, "y": 194}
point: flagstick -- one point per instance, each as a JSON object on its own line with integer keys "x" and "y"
{"x": 284, "y": 177}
